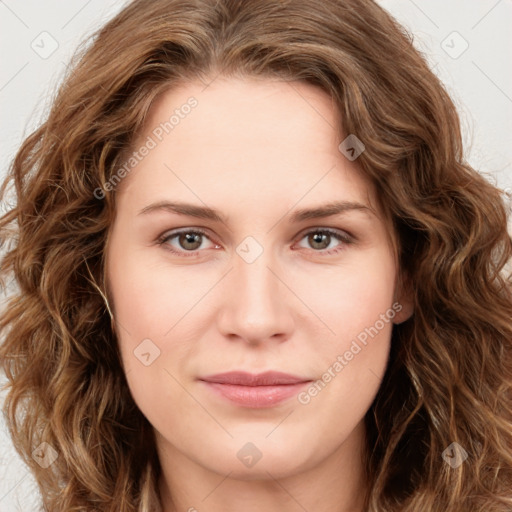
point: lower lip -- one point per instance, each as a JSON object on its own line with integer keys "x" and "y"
{"x": 256, "y": 396}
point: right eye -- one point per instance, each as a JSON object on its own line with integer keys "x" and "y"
{"x": 190, "y": 241}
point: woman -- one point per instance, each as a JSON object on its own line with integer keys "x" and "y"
{"x": 255, "y": 272}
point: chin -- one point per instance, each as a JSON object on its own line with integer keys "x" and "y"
{"x": 255, "y": 457}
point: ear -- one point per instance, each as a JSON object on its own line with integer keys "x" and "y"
{"x": 404, "y": 298}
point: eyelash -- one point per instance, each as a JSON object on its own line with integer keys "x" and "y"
{"x": 162, "y": 240}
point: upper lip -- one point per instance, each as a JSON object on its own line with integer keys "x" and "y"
{"x": 240, "y": 378}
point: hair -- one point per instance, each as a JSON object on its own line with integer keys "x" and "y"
{"x": 449, "y": 377}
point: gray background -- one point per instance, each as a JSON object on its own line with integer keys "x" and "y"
{"x": 467, "y": 43}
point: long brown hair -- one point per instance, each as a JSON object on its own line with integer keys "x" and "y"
{"x": 449, "y": 379}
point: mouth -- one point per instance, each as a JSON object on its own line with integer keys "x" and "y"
{"x": 255, "y": 390}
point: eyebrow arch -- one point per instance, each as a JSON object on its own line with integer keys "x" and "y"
{"x": 204, "y": 212}
{"x": 329, "y": 209}
{"x": 192, "y": 210}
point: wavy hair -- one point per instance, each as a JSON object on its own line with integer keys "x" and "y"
{"x": 449, "y": 378}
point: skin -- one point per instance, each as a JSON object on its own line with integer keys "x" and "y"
{"x": 256, "y": 151}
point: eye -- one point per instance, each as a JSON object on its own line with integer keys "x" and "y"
{"x": 190, "y": 241}
{"x": 320, "y": 239}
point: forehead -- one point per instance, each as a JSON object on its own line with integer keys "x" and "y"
{"x": 252, "y": 115}
{"x": 252, "y": 133}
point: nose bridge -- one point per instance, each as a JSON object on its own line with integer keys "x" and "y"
{"x": 257, "y": 284}
{"x": 255, "y": 307}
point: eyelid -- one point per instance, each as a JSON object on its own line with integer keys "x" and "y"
{"x": 342, "y": 235}
{"x": 326, "y": 229}
{"x": 164, "y": 237}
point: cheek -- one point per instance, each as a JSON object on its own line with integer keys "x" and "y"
{"x": 149, "y": 298}
{"x": 357, "y": 306}
{"x": 350, "y": 370}
{"x": 152, "y": 308}
{"x": 353, "y": 296}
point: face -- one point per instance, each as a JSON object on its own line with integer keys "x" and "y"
{"x": 246, "y": 272}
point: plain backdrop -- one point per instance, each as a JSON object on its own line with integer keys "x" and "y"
{"x": 468, "y": 43}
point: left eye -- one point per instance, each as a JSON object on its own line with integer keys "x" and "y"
{"x": 318, "y": 238}
{"x": 190, "y": 241}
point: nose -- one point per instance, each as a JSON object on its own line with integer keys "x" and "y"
{"x": 256, "y": 305}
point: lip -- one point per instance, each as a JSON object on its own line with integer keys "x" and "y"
{"x": 255, "y": 390}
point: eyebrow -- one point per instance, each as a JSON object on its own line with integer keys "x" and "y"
{"x": 205, "y": 212}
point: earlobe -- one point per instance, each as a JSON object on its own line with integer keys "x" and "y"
{"x": 405, "y": 313}
{"x": 404, "y": 301}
